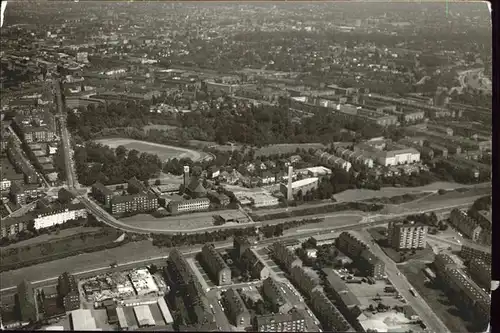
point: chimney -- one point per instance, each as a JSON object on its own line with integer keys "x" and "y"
{"x": 186, "y": 176}
{"x": 289, "y": 192}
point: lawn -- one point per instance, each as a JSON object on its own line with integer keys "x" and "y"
{"x": 14, "y": 257}
{"x": 164, "y": 152}
{"x": 435, "y": 297}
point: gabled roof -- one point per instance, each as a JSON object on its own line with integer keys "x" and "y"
{"x": 195, "y": 186}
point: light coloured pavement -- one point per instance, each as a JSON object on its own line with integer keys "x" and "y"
{"x": 400, "y": 282}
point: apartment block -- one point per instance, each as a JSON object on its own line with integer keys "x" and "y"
{"x": 407, "y": 235}
{"x": 251, "y": 262}
{"x": 102, "y": 194}
{"x": 238, "y": 312}
{"x": 371, "y": 265}
{"x": 480, "y": 273}
{"x": 11, "y": 226}
{"x": 328, "y": 314}
{"x": 306, "y": 282}
{"x": 470, "y": 252}
{"x": 178, "y": 270}
{"x": 465, "y": 224}
{"x": 49, "y": 217}
{"x": 280, "y": 322}
{"x": 276, "y": 295}
{"x": 26, "y": 299}
{"x": 216, "y": 265}
{"x": 141, "y": 202}
{"x": 285, "y": 256}
{"x": 17, "y": 194}
{"x": 68, "y": 291}
{"x": 350, "y": 244}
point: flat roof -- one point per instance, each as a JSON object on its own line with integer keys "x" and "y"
{"x": 304, "y": 182}
{"x": 82, "y": 320}
{"x": 144, "y": 315}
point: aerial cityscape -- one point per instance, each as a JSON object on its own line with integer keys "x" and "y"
{"x": 259, "y": 167}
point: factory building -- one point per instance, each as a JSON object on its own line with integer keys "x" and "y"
{"x": 216, "y": 265}
{"x": 406, "y": 235}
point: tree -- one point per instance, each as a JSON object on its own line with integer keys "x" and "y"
{"x": 158, "y": 182}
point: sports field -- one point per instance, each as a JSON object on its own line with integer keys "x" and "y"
{"x": 164, "y": 152}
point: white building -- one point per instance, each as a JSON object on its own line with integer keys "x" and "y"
{"x": 51, "y": 218}
{"x": 143, "y": 282}
{"x": 263, "y": 200}
{"x": 5, "y": 184}
{"x": 398, "y": 157}
{"x": 144, "y": 316}
{"x": 82, "y": 320}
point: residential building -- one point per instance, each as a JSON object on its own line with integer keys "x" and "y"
{"x": 285, "y": 256}
{"x": 141, "y": 202}
{"x": 464, "y": 291}
{"x": 330, "y": 317}
{"x": 240, "y": 245}
{"x": 280, "y": 322}
{"x": 26, "y": 301}
{"x": 407, "y": 235}
{"x": 471, "y": 251}
{"x": 251, "y": 262}
{"x": 49, "y": 217}
{"x": 11, "y": 226}
{"x": 238, "y": 312}
{"x": 480, "y": 272}
{"x": 465, "y": 224}
{"x": 350, "y": 244}
{"x": 216, "y": 265}
{"x": 305, "y": 280}
{"x": 276, "y": 295}
{"x": 333, "y": 160}
{"x": 102, "y": 194}
{"x": 191, "y": 205}
{"x": 68, "y": 291}
{"x": 17, "y": 194}
{"x": 371, "y": 265}
{"x": 342, "y": 294}
{"x": 354, "y": 157}
{"x": 178, "y": 270}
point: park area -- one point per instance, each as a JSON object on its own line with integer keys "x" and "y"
{"x": 164, "y": 152}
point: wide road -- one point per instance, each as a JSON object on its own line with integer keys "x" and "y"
{"x": 400, "y": 282}
{"x": 70, "y": 174}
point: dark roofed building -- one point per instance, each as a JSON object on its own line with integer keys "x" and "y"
{"x": 26, "y": 301}
{"x": 195, "y": 189}
{"x": 135, "y": 186}
{"x": 68, "y": 291}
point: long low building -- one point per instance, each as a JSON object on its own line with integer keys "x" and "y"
{"x": 303, "y": 185}
{"x": 192, "y": 205}
{"x": 82, "y": 320}
{"x": 333, "y": 160}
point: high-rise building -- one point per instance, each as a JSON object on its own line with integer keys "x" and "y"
{"x": 407, "y": 235}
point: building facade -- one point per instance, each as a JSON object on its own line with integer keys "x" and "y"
{"x": 285, "y": 256}
{"x": 142, "y": 202}
{"x": 185, "y": 206}
{"x": 51, "y": 217}
{"x": 280, "y": 322}
{"x": 273, "y": 292}
{"x": 238, "y": 312}
{"x": 465, "y": 224}
{"x": 68, "y": 291}
{"x": 102, "y": 194}
{"x": 406, "y": 236}
{"x": 330, "y": 317}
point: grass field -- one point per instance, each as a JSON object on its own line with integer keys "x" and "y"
{"x": 435, "y": 297}
{"x": 31, "y": 254}
{"x": 50, "y": 237}
{"x": 164, "y": 152}
{"x": 182, "y": 222}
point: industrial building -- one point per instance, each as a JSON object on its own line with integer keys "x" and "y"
{"x": 238, "y": 312}
{"x": 216, "y": 265}
{"x": 303, "y": 185}
{"x": 285, "y": 256}
{"x": 465, "y": 224}
{"x": 280, "y": 322}
{"x": 407, "y": 235}
{"x": 276, "y": 296}
{"x": 82, "y": 320}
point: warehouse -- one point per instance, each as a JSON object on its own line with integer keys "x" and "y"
{"x": 82, "y": 320}
{"x": 144, "y": 316}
